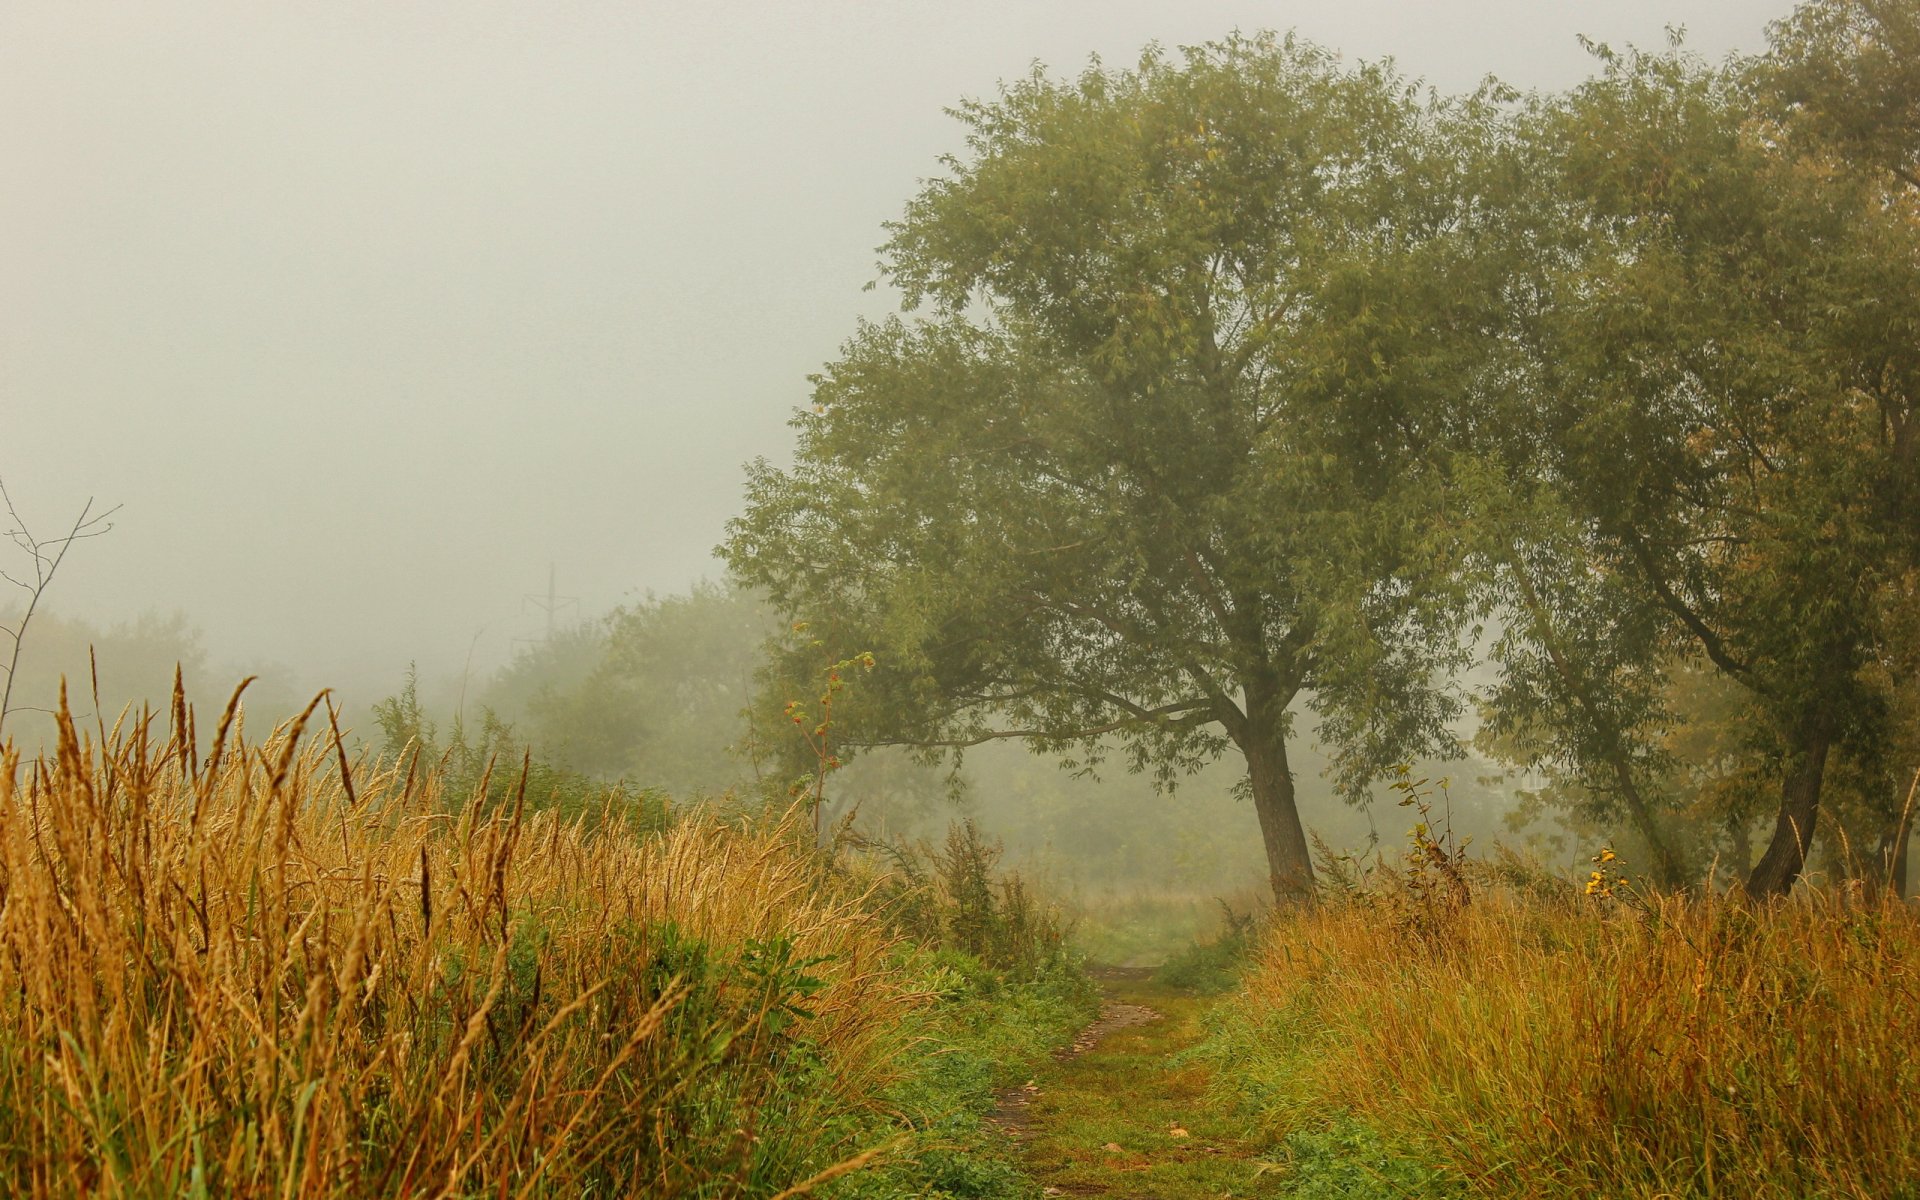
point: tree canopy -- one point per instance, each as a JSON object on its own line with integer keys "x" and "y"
{"x": 1716, "y": 318}
{"x": 1237, "y": 384}
{"x": 1162, "y": 462}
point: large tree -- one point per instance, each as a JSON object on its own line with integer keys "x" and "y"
{"x": 1842, "y": 80}
{"x": 1720, "y": 396}
{"x": 1162, "y": 463}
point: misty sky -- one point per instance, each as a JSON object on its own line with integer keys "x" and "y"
{"x": 368, "y": 311}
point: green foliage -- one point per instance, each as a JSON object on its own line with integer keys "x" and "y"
{"x": 818, "y": 747}
{"x": 956, "y": 897}
{"x": 656, "y": 693}
{"x": 736, "y": 1038}
{"x": 1160, "y": 462}
{"x": 494, "y": 768}
{"x": 1846, "y": 74}
{"x": 986, "y": 1034}
{"x": 1698, "y": 450}
{"x": 1008, "y": 994}
{"x": 1346, "y": 1159}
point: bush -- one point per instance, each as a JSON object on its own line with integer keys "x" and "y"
{"x": 957, "y": 898}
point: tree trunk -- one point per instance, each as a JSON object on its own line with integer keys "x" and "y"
{"x": 1667, "y": 871}
{"x": 1786, "y": 854}
{"x": 1740, "y": 842}
{"x": 1890, "y": 857}
{"x": 1289, "y": 865}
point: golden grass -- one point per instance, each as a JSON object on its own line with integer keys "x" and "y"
{"x": 1610, "y": 1046}
{"x": 244, "y": 975}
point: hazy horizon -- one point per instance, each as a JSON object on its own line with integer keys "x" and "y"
{"x": 369, "y": 313}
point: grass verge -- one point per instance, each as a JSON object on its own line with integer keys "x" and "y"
{"x": 1508, "y": 1044}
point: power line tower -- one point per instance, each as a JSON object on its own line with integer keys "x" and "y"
{"x": 551, "y": 603}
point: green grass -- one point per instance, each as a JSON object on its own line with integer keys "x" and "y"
{"x": 1139, "y": 1090}
{"x": 1213, "y": 966}
{"x": 1346, "y": 1159}
{"x": 986, "y": 1034}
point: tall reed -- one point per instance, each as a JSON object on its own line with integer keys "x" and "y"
{"x": 261, "y": 971}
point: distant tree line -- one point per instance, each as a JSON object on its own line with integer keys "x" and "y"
{"x": 659, "y": 692}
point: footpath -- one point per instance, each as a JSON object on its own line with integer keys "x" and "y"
{"x": 1121, "y": 1112}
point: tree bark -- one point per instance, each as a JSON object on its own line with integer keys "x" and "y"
{"x": 1786, "y": 854}
{"x": 1289, "y": 864}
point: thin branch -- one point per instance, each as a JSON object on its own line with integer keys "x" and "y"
{"x": 1058, "y": 549}
{"x": 1704, "y": 634}
{"x": 1209, "y": 590}
{"x": 46, "y": 563}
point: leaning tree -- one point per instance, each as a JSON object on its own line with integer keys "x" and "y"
{"x": 1154, "y": 462}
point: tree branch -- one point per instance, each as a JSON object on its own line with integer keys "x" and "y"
{"x": 1209, "y": 590}
{"x": 46, "y": 562}
{"x": 1709, "y": 640}
{"x": 1136, "y": 715}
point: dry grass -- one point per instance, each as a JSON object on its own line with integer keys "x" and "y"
{"x": 1603, "y": 1045}
{"x": 240, "y": 975}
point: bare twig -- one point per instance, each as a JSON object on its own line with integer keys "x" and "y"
{"x": 45, "y": 557}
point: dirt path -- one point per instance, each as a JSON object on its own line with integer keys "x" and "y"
{"x": 1119, "y": 1113}
{"x": 1011, "y": 1113}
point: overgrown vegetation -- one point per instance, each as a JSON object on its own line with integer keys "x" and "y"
{"x": 268, "y": 971}
{"x": 1492, "y": 1030}
{"x": 1256, "y": 382}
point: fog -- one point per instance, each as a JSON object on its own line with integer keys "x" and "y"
{"x": 368, "y": 313}
{"x": 1346, "y": 629}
